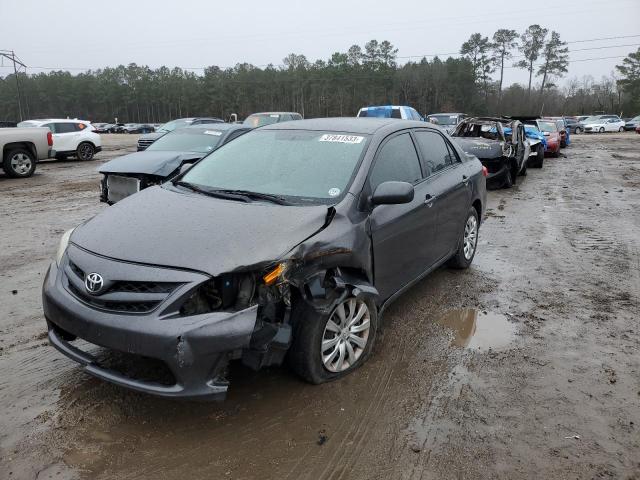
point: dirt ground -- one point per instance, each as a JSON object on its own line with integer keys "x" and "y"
{"x": 525, "y": 366}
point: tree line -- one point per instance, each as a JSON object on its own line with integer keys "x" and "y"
{"x": 338, "y": 86}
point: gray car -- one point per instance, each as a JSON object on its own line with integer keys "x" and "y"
{"x": 147, "y": 139}
{"x": 163, "y": 159}
{"x": 287, "y": 243}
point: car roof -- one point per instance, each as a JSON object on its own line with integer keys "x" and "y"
{"x": 42, "y": 121}
{"x": 365, "y": 126}
{"x": 275, "y": 113}
{"x": 446, "y": 113}
{"x": 217, "y": 126}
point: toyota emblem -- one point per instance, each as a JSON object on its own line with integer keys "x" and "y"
{"x": 93, "y": 282}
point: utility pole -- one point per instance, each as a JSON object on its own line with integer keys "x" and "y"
{"x": 10, "y": 55}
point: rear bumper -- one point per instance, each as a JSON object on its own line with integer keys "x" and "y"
{"x": 497, "y": 171}
{"x": 195, "y": 349}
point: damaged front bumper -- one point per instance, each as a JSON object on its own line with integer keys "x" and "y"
{"x": 195, "y": 349}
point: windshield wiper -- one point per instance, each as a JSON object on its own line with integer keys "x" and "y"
{"x": 257, "y": 196}
{"x": 212, "y": 193}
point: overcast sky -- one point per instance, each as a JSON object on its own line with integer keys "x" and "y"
{"x": 77, "y": 35}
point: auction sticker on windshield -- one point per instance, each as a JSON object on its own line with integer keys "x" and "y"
{"x": 213, "y": 132}
{"x": 341, "y": 138}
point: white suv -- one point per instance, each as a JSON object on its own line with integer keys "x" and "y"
{"x": 70, "y": 137}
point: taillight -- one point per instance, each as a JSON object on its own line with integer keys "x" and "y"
{"x": 485, "y": 172}
{"x": 49, "y": 139}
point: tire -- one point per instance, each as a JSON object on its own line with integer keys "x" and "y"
{"x": 539, "y": 157}
{"x": 468, "y": 243}
{"x": 311, "y": 330}
{"x": 85, "y": 151}
{"x": 19, "y": 163}
{"x": 509, "y": 179}
{"x": 523, "y": 172}
{"x": 578, "y": 130}
{"x": 621, "y": 129}
{"x": 601, "y": 130}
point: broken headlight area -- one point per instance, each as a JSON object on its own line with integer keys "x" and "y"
{"x": 229, "y": 292}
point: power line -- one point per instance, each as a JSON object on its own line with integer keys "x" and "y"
{"x": 10, "y": 55}
{"x": 398, "y": 57}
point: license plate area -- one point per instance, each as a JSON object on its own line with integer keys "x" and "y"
{"x": 119, "y": 187}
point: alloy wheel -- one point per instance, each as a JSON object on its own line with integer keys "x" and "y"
{"x": 85, "y": 151}
{"x": 21, "y": 163}
{"x": 345, "y": 335}
{"x": 470, "y": 237}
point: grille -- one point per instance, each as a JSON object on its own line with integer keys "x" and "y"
{"x": 142, "y": 144}
{"x": 143, "y": 287}
{"x": 122, "y": 307}
{"x": 122, "y": 286}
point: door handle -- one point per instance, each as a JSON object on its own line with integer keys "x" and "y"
{"x": 428, "y": 200}
{"x": 465, "y": 180}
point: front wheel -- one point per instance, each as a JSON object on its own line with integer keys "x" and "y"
{"x": 578, "y": 130}
{"x": 468, "y": 243}
{"x": 19, "y": 163}
{"x": 85, "y": 151}
{"x": 601, "y": 130}
{"x": 327, "y": 347}
{"x": 621, "y": 129}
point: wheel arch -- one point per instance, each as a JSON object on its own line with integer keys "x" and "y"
{"x": 477, "y": 204}
{"x": 30, "y": 146}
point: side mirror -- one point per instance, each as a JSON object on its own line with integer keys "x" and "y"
{"x": 185, "y": 167}
{"x": 392, "y": 193}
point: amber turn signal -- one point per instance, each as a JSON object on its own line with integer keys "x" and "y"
{"x": 271, "y": 277}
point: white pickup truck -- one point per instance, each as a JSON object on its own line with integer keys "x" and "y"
{"x": 21, "y": 148}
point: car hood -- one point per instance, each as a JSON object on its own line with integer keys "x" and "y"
{"x": 152, "y": 136}
{"x": 480, "y": 147}
{"x": 160, "y": 226}
{"x": 149, "y": 162}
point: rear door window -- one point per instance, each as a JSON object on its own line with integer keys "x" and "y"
{"x": 435, "y": 151}
{"x": 65, "y": 127}
{"x": 397, "y": 160}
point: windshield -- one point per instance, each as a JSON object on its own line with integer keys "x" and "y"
{"x": 261, "y": 119}
{"x": 305, "y": 166}
{"x": 635, "y": 119}
{"x": 380, "y": 112}
{"x": 445, "y": 119}
{"x": 187, "y": 140}
{"x": 592, "y": 120}
{"x": 547, "y": 126}
{"x": 172, "y": 125}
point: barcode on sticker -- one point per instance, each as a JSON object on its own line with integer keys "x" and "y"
{"x": 341, "y": 138}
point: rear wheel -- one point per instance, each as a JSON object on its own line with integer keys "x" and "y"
{"x": 19, "y": 163}
{"x": 621, "y": 129}
{"x": 329, "y": 346}
{"x": 601, "y": 130}
{"x": 468, "y": 242}
{"x": 509, "y": 178}
{"x": 537, "y": 163}
{"x": 85, "y": 151}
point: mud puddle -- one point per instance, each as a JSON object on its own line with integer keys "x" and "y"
{"x": 479, "y": 330}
